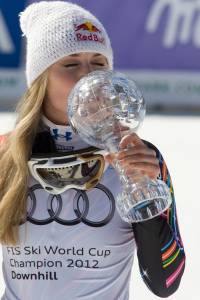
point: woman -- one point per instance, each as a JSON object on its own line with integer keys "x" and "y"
{"x": 55, "y": 255}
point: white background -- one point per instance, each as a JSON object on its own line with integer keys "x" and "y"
{"x": 178, "y": 138}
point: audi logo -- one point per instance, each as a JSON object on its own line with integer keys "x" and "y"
{"x": 81, "y": 214}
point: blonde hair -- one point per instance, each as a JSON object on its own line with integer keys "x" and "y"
{"x": 14, "y": 154}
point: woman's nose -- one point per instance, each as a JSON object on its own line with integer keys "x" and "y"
{"x": 86, "y": 69}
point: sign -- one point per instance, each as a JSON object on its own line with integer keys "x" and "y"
{"x": 10, "y": 33}
{"x": 157, "y": 42}
{"x": 12, "y": 81}
{"x": 153, "y": 34}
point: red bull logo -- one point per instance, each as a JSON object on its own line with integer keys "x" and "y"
{"x": 88, "y": 32}
{"x": 87, "y": 26}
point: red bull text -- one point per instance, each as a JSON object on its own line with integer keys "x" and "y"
{"x": 94, "y": 34}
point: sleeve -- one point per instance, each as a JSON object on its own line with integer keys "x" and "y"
{"x": 2, "y": 139}
{"x": 160, "y": 250}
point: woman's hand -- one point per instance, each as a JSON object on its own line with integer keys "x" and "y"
{"x": 135, "y": 157}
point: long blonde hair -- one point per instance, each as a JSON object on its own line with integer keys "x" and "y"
{"x": 14, "y": 154}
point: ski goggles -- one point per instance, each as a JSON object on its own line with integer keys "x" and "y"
{"x": 81, "y": 169}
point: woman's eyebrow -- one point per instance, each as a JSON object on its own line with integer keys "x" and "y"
{"x": 71, "y": 56}
{"x": 76, "y": 55}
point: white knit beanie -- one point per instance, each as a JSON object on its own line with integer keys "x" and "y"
{"x": 56, "y": 29}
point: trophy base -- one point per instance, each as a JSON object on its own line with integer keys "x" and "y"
{"x": 133, "y": 209}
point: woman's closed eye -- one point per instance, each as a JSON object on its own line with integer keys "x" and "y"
{"x": 71, "y": 65}
{"x": 77, "y": 65}
{"x": 99, "y": 64}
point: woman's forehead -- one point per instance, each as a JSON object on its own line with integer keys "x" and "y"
{"x": 83, "y": 55}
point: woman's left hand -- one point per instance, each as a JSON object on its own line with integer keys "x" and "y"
{"x": 135, "y": 157}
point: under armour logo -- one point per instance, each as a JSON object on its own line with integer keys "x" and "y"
{"x": 183, "y": 21}
{"x": 67, "y": 136}
{"x": 6, "y": 43}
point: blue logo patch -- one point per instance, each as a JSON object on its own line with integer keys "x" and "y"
{"x": 67, "y": 136}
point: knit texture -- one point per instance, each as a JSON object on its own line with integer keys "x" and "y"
{"x": 56, "y": 29}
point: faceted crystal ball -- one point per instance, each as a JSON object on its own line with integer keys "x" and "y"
{"x": 104, "y": 106}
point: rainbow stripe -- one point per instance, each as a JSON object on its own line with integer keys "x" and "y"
{"x": 164, "y": 171}
{"x": 168, "y": 244}
{"x": 170, "y": 280}
{"x": 171, "y": 260}
{"x": 170, "y": 251}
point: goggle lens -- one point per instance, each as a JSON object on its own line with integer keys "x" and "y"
{"x": 78, "y": 174}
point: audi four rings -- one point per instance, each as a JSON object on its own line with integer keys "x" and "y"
{"x": 81, "y": 214}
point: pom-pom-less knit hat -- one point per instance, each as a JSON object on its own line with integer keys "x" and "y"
{"x": 56, "y": 29}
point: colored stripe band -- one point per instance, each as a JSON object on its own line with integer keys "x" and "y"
{"x": 168, "y": 244}
{"x": 173, "y": 277}
{"x": 169, "y": 252}
{"x": 170, "y": 260}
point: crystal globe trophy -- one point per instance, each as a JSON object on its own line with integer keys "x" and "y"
{"x": 103, "y": 107}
